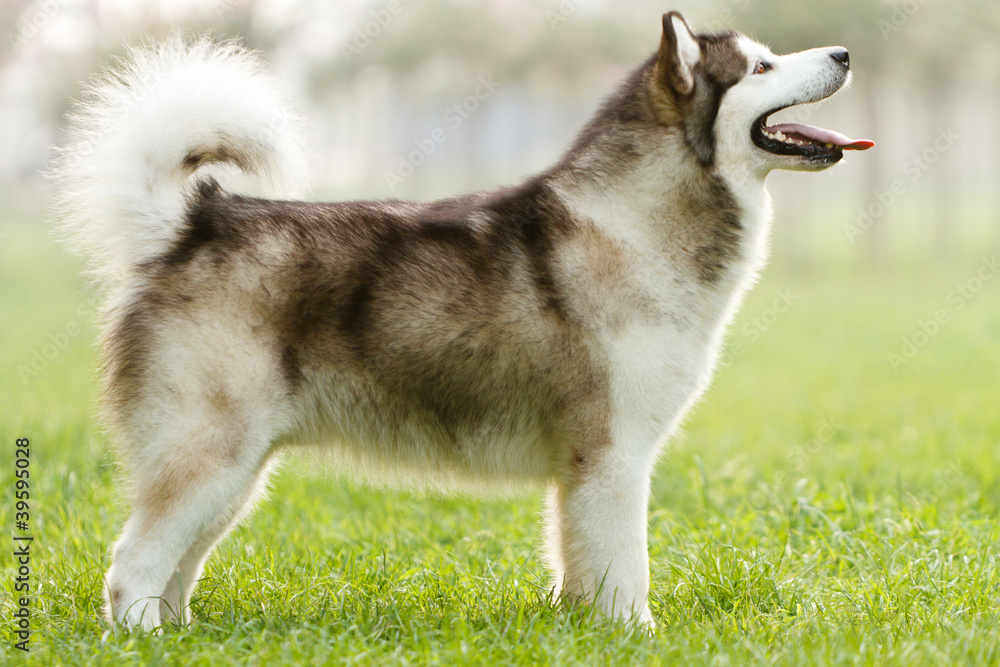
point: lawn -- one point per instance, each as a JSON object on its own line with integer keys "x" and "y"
{"x": 826, "y": 503}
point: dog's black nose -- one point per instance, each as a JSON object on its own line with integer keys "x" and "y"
{"x": 842, "y": 56}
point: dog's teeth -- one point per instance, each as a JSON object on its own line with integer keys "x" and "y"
{"x": 828, "y": 145}
{"x": 779, "y": 136}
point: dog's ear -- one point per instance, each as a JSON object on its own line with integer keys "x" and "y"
{"x": 679, "y": 53}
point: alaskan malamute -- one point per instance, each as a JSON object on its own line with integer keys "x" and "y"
{"x": 549, "y": 333}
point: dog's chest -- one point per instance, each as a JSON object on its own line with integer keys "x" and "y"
{"x": 660, "y": 363}
{"x": 658, "y": 321}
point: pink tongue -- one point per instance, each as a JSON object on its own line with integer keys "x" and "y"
{"x": 821, "y": 136}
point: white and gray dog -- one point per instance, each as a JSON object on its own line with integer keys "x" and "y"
{"x": 550, "y": 333}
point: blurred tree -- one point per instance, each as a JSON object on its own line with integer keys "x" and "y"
{"x": 519, "y": 43}
{"x": 939, "y": 54}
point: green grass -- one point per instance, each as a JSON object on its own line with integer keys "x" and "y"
{"x": 819, "y": 507}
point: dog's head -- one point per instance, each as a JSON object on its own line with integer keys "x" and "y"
{"x": 720, "y": 89}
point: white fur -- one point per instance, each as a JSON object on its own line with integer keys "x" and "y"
{"x": 796, "y": 78}
{"x": 158, "y": 558}
{"x": 121, "y": 178}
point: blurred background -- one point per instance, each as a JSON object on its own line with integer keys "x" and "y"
{"x": 858, "y": 388}
{"x": 423, "y": 99}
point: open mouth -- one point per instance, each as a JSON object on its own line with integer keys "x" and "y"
{"x": 812, "y": 143}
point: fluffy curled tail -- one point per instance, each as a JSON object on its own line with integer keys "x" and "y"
{"x": 145, "y": 126}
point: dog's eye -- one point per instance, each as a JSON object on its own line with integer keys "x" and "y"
{"x": 761, "y": 67}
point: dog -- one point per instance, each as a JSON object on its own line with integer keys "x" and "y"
{"x": 552, "y": 333}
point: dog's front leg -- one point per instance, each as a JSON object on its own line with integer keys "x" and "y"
{"x": 597, "y": 515}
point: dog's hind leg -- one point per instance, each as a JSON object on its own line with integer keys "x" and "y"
{"x": 189, "y": 483}
{"x": 177, "y": 595}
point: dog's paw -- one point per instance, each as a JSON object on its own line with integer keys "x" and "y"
{"x": 644, "y": 621}
{"x": 142, "y": 614}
